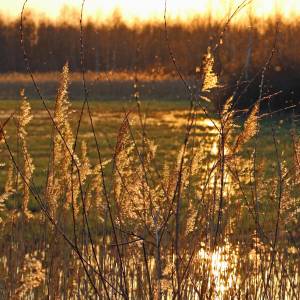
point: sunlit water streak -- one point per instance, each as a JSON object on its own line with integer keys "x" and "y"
{"x": 225, "y": 279}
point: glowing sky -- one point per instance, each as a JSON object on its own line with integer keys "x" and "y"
{"x": 145, "y": 9}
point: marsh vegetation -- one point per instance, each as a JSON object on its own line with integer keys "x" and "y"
{"x": 149, "y": 199}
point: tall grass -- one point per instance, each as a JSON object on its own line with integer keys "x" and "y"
{"x": 210, "y": 223}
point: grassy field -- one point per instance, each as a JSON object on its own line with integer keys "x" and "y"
{"x": 165, "y": 121}
{"x": 165, "y": 125}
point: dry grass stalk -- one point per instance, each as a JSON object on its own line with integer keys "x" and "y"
{"x": 23, "y": 118}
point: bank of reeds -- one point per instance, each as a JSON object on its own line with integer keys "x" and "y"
{"x": 212, "y": 224}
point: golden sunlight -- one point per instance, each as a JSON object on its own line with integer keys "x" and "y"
{"x": 148, "y": 9}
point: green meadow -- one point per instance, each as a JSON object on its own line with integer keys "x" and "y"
{"x": 164, "y": 122}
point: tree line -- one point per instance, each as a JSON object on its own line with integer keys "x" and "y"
{"x": 117, "y": 46}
